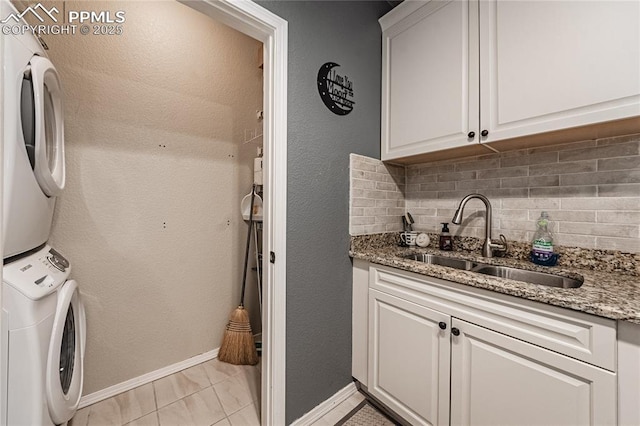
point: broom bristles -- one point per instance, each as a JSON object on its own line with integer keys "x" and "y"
{"x": 238, "y": 346}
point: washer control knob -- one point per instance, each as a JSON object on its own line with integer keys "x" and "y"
{"x": 57, "y": 260}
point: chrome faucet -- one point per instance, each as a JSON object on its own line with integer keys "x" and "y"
{"x": 489, "y": 246}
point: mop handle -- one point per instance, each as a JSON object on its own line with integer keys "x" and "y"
{"x": 246, "y": 252}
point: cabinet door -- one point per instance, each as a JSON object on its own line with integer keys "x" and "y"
{"x": 549, "y": 65}
{"x": 409, "y": 359}
{"x": 499, "y": 380}
{"x": 429, "y": 77}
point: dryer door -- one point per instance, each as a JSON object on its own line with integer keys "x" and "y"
{"x": 66, "y": 355}
{"x": 48, "y": 165}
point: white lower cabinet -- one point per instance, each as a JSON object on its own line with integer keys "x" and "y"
{"x": 409, "y": 356}
{"x": 435, "y": 357}
{"x": 499, "y": 380}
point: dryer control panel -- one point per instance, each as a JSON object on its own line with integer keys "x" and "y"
{"x": 57, "y": 260}
{"x": 38, "y": 274}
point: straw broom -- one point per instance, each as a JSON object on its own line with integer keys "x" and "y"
{"x": 238, "y": 346}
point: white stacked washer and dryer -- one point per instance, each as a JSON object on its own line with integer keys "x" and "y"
{"x": 43, "y": 323}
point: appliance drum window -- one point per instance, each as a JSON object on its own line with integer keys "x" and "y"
{"x": 67, "y": 351}
{"x": 28, "y": 119}
{"x": 50, "y": 129}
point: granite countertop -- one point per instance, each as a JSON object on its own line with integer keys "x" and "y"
{"x": 609, "y": 294}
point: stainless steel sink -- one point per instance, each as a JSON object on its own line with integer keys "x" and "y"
{"x": 533, "y": 277}
{"x": 433, "y": 259}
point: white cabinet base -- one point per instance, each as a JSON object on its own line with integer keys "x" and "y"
{"x": 409, "y": 359}
{"x": 359, "y": 321}
{"x": 499, "y": 380}
{"x": 628, "y": 374}
{"x": 441, "y": 353}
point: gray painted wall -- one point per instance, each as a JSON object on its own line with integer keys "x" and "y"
{"x": 318, "y": 265}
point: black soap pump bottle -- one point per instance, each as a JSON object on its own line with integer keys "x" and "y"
{"x": 446, "y": 243}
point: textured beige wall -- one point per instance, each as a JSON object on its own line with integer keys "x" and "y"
{"x": 156, "y": 168}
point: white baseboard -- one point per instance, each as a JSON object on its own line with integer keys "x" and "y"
{"x": 114, "y": 390}
{"x": 326, "y": 406}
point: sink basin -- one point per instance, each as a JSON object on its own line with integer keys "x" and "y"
{"x": 433, "y": 259}
{"x": 532, "y": 277}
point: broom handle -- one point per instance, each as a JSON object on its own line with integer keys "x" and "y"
{"x": 246, "y": 252}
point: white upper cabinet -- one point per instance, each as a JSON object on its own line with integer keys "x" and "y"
{"x": 428, "y": 74}
{"x": 455, "y": 73}
{"x": 550, "y": 65}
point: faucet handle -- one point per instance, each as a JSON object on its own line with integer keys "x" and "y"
{"x": 502, "y": 246}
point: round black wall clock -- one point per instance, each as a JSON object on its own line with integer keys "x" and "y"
{"x": 336, "y": 90}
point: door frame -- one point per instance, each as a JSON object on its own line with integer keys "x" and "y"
{"x": 257, "y": 22}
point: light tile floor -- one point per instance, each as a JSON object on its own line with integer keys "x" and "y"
{"x": 211, "y": 393}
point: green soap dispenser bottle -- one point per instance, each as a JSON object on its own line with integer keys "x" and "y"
{"x": 542, "y": 251}
{"x": 446, "y": 242}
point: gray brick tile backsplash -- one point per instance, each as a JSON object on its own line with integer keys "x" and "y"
{"x": 456, "y": 176}
{"x": 564, "y": 168}
{"x": 591, "y": 190}
{"x": 503, "y": 173}
{"x": 507, "y": 193}
{"x": 564, "y": 147}
{"x": 630, "y": 245}
{"x": 623, "y": 163}
{"x": 456, "y": 195}
{"x": 600, "y": 204}
{"x": 421, "y": 195}
{"x": 614, "y": 177}
{"x": 366, "y": 167}
{"x": 564, "y": 191}
{"x": 478, "y": 184}
{"x": 377, "y": 199}
{"x": 626, "y": 217}
{"x": 431, "y": 169}
{"x": 622, "y": 190}
{"x": 601, "y": 229}
{"x": 438, "y": 186}
{"x": 529, "y": 159}
{"x": 386, "y": 186}
{"x": 421, "y": 179}
{"x": 618, "y": 140}
{"x": 390, "y": 203}
{"x": 528, "y": 182}
{"x": 572, "y": 240}
{"x": 512, "y": 214}
{"x": 363, "y": 202}
{"x": 531, "y": 203}
{"x": 490, "y": 163}
{"x": 605, "y": 151}
{"x": 566, "y": 215}
{"x": 362, "y": 183}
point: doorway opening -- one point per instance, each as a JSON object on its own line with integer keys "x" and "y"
{"x": 256, "y": 22}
